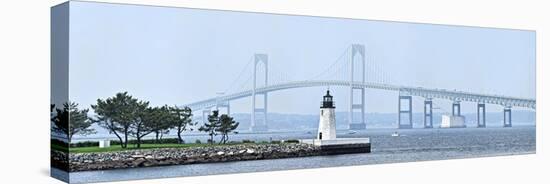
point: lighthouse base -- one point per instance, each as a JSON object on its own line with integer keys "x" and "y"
{"x": 341, "y": 145}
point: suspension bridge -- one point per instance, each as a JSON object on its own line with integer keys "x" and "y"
{"x": 351, "y": 74}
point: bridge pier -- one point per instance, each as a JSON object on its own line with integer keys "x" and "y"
{"x": 205, "y": 113}
{"x": 357, "y": 49}
{"x": 255, "y": 126}
{"x": 428, "y": 113}
{"x": 507, "y": 116}
{"x": 225, "y": 105}
{"x": 408, "y": 112}
{"x": 481, "y": 115}
{"x": 456, "y": 108}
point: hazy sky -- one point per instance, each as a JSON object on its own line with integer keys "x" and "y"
{"x": 178, "y": 56}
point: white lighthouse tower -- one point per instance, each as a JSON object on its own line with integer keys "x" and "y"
{"x": 326, "y": 136}
{"x": 327, "y": 119}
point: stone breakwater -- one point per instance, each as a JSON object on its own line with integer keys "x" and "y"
{"x": 59, "y": 159}
{"x": 194, "y": 155}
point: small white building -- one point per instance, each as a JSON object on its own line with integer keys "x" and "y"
{"x": 327, "y": 119}
{"x": 105, "y": 143}
{"x": 449, "y": 121}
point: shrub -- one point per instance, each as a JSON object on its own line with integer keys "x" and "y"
{"x": 247, "y": 141}
{"x": 149, "y": 141}
{"x": 85, "y": 144}
{"x": 58, "y": 142}
{"x": 292, "y": 141}
{"x": 198, "y": 141}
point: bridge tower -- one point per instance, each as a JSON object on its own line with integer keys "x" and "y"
{"x": 456, "y": 108}
{"x": 222, "y": 104}
{"x": 357, "y": 49}
{"x": 408, "y": 111}
{"x": 507, "y": 116}
{"x": 428, "y": 113}
{"x": 225, "y": 105}
{"x": 205, "y": 114}
{"x": 481, "y": 115}
{"x": 257, "y": 126}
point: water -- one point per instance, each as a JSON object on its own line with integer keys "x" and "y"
{"x": 412, "y": 145}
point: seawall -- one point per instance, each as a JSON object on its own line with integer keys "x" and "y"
{"x": 195, "y": 155}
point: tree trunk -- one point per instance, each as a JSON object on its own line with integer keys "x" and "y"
{"x": 119, "y": 139}
{"x": 138, "y": 142}
{"x": 157, "y": 137}
{"x": 69, "y": 138}
{"x": 138, "y": 137}
{"x": 179, "y": 137}
{"x": 211, "y": 138}
{"x": 114, "y": 131}
{"x": 125, "y": 138}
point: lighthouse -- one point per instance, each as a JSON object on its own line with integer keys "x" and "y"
{"x": 327, "y": 119}
{"x": 326, "y": 136}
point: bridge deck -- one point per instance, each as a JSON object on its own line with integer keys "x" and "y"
{"x": 405, "y": 90}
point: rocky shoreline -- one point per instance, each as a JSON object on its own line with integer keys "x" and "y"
{"x": 59, "y": 159}
{"x": 195, "y": 155}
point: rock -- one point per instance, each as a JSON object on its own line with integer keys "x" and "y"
{"x": 138, "y": 162}
{"x": 137, "y": 156}
{"x": 193, "y": 155}
{"x": 249, "y": 151}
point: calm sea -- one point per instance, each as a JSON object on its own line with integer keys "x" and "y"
{"x": 411, "y": 145}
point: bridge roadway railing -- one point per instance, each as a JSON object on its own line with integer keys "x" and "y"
{"x": 413, "y": 91}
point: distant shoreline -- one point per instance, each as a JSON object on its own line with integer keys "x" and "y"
{"x": 197, "y": 134}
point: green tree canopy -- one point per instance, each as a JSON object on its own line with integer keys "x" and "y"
{"x": 71, "y": 121}
{"x": 211, "y": 125}
{"x": 119, "y": 114}
{"x": 226, "y": 126}
{"x": 158, "y": 120}
{"x": 183, "y": 121}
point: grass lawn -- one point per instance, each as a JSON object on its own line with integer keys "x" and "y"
{"x": 59, "y": 148}
{"x": 131, "y": 147}
{"x": 96, "y": 149}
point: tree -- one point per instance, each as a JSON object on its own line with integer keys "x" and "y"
{"x": 143, "y": 127}
{"x": 60, "y": 120}
{"x": 71, "y": 121}
{"x": 210, "y": 127}
{"x": 227, "y": 125}
{"x": 118, "y": 114}
{"x": 184, "y": 119}
{"x": 162, "y": 121}
{"x": 141, "y": 124}
{"x": 158, "y": 120}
